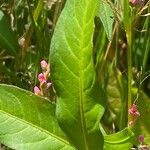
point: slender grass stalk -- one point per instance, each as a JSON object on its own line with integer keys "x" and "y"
{"x": 99, "y": 46}
{"x": 108, "y": 47}
{"x": 147, "y": 47}
{"x": 38, "y": 10}
{"x": 58, "y": 8}
{"x": 146, "y": 54}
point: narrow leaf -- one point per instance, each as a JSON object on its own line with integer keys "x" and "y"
{"x": 38, "y": 10}
{"x": 79, "y": 101}
{"x": 28, "y": 122}
{"x": 107, "y": 17}
{"x": 8, "y": 39}
{"x": 122, "y": 140}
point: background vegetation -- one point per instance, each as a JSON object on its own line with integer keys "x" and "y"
{"x": 121, "y": 53}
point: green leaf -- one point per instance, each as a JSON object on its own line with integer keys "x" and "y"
{"x": 28, "y": 121}
{"x": 8, "y": 39}
{"x": 107, "y": 17}
{"x": 79, "y": 105}
{"x": 122, "y": 140}
{"x": 38, "y": 11}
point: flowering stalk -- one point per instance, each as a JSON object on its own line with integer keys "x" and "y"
{"x": 43, "y": 79}
{"x": 133, "y": 114}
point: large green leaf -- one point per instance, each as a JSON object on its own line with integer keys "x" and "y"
{"x": 27, "y": 122}
{"x": 122, "y": 140}
{"x": 107, "y": 17}
{"x": 79, "y": 101}
{"x": 8, "y": 39}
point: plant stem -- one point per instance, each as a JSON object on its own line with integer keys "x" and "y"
{"x": 108, "y": 47}
{"x": 129, "y": 59}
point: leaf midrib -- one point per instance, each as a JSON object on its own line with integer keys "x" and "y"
{"x": 35, "y": 126}
{"x": 81, "y": 83}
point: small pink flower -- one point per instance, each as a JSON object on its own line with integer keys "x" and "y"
{"x": 48, "y": 84}
{"x": 141, "y": 138}
{"x": 41, "y": 78}
{"x": 37, "y": 90}
{"x": 134, "y": 111}
{"x": 44, "y": 64}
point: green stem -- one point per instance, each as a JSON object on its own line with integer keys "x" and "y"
{"x": 128, "y": 18}
{"x": 129, "y": 59}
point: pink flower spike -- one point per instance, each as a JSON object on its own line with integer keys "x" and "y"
{"x": 44, "y": 64}
{"x": 141, "y": 138}
{"x": 41, "y": 78}
{"x": 37, "y": 90}
{"x": 134, "y": 111}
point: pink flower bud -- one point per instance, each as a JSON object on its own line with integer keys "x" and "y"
{"x": 141, "y": 138}
{"x": 37, "y": 90}
{"x": 134, "y": 111}
{"x": 44, "y": 64}
{"x": 48, "y": 84}
{"x": 41, "y": 78}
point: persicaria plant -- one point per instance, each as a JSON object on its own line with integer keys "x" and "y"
{"x": 97, "y": 71}
{"x": 43, "y": 79}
